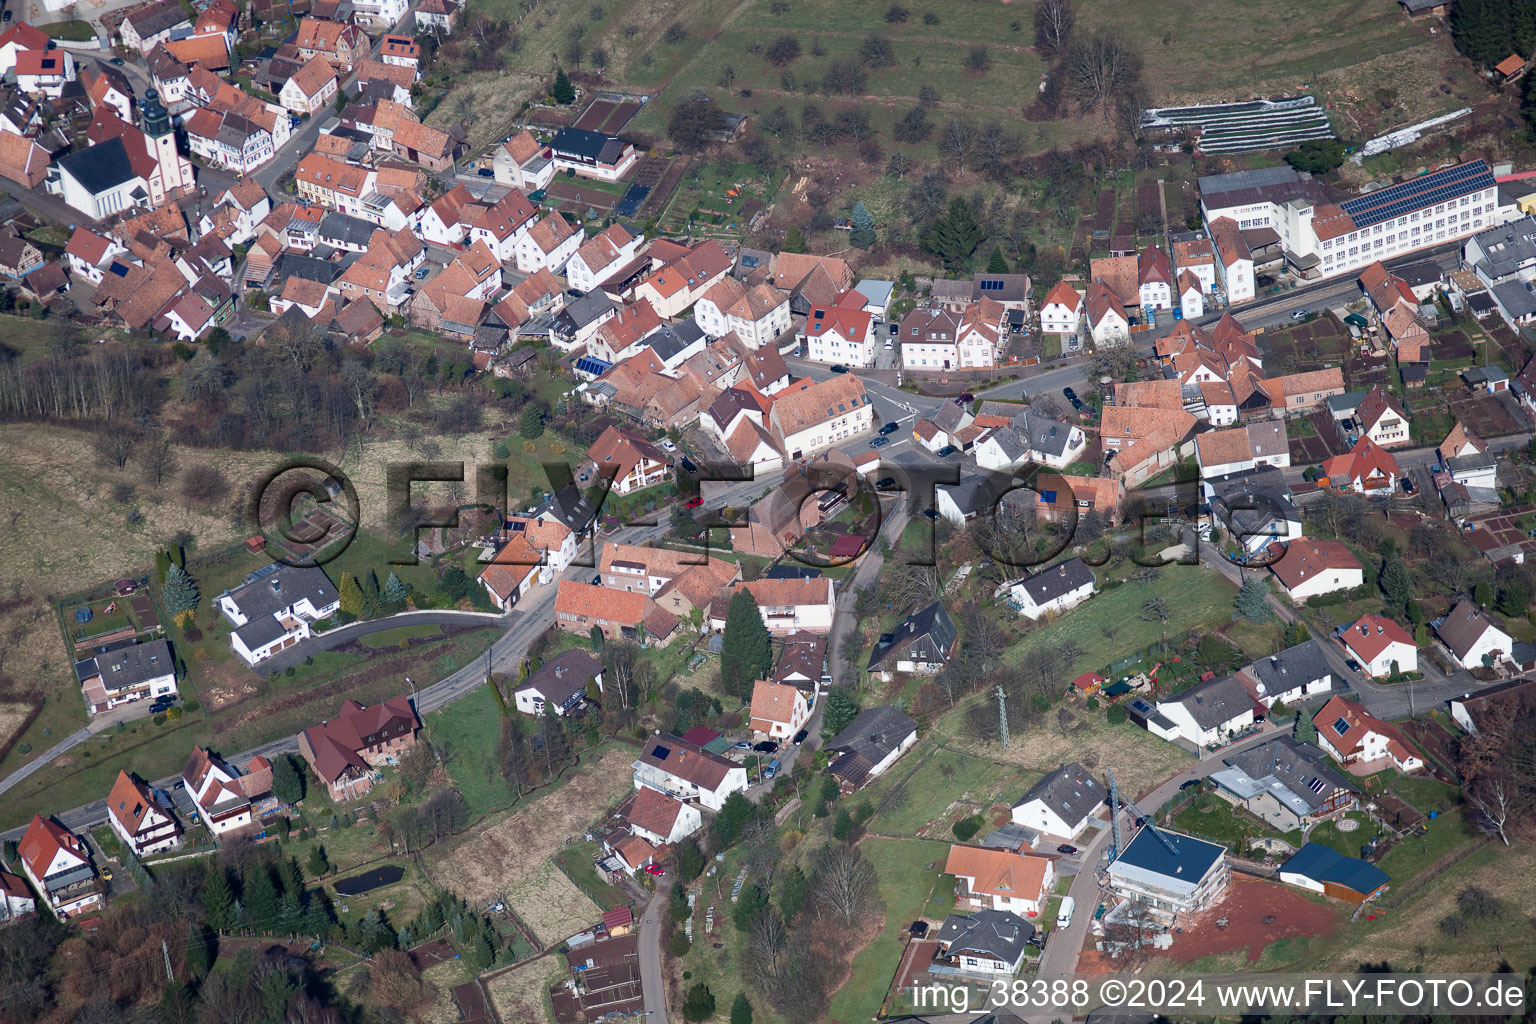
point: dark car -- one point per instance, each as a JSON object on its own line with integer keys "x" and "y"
{"x": 687, "y": 464}
{"x": 967, "y": 397}
{"x": 895, "y": 329}
{"x": 597, "y": 580}
{"x": 931, "y": 513}
{"x": 947, "y": 451}
{"x": 1077, "y": 403}
{"x": 890, "y": 428}
{"x": 1189, "y": 783}
{"x": 767, "y": 747}
{"x": 1407, "y": 485}
{"x": 1066, "y": 848}
{"x": 879, "y": 442}
{"x": 839, "y": 368}
{"x": 885, "y": 483}
{"x": 7, "y": 17}
{"x": 800, "y": 736}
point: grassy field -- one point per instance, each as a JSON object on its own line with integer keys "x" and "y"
{"x": 934, "y": 785}
{"x": 1213, "y": 818}
{"x": 577, "y": 863}
{"x": 906, "y": 882}
{"x": 470, "y": 730}
{"x": 1347, "y": 843}
{"x": 1114, "y": 623}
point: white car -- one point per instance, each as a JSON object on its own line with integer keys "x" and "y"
{"x": 1300, "y": 314}
{"x": 668, "y": 446}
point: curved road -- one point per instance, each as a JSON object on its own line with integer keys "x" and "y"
{"x": 334, "y": 638}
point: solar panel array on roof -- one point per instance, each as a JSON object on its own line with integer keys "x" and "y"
{"x": 1426, "y": 190}
{"x": 661, "y": 752}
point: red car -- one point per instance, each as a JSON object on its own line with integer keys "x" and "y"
{"x": 694, "y": 502}
{"x": 654, "y": 869}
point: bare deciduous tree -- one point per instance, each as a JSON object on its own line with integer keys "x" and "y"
{"x": 1053, "y": 23}
{"x": 959, "y": 140}
{"x": 845, "y": 888}
{"x": 1100, "y": 70}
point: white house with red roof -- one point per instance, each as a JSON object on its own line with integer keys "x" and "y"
{"x": 1062, "y": 310}
{"x": 59, "y": 867}
{"x": 219, "y": 791}
{"x": 833, "y": 334}
{"x": 1154, "y": 278}
{"x": 138, "y": 820}
{"x": 1350, "y": 734}
{"x": 1379, "y": 644}
{"x": 89, "y": 254}
{"x": 1306, "y": 568}
{"x": 659, "y": 818}
{"x": 778, "y": 709}
{"x": 17, "y": 39}
{"x": 1191, "y": 295}
{"x": 602, "y": 256}
{"x": 345, "y": 750}
{"x": 686, "y": 771}
{"x": 1367, "y": 468}
{"x": 16, "y": 900}
{"x": 1106, "y": 314}
{"x": 633, "y": 462}
{"x": 503, "y": 227}
{"x": 511, "y": 573}
{"x": 44, "y": 72}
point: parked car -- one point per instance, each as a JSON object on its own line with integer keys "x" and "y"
{"x": 890, "y": 428}
{"x": 800, "y": 736}
{"x": 839, "y": 368}
{"x": 688, "y": 466}
{"x": 1189, "y": 784}
{"x": 7, "y": 17}
{"x": 879, "y": 442}
{"x": 967, "y": 397}
{"x": 423, "y": 272}
{"x": 931, "y": 513}
{"x": 1066, "y": 848}
{"x": 1407, "y": 483}
{"x": 1300, "y": 314}
{"x": 1077, "y": 403}
{"x": 667, "y": 445}
{"x": 766, "y": 747}
{"x": 694, "y": 502}
{"x": 885, "y": 483}
{"x": 772, "y": 769}
{"x": 655, "y": 869}
{"x": 743, "y": 745}
{"x": 161, "y": 703}
{"x": 947, "y": 451}
{"x": 597, "y": 580}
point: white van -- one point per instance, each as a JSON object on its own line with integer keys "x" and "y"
{"x": 1064, "y": 914}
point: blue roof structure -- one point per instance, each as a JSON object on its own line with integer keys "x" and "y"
{"x": 1325, "y": 864}
{"x": 1194, "y": 858}
{"x": 1417, "y": 193}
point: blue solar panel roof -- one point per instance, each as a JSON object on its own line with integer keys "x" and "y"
{"x": 1425, "y": 190}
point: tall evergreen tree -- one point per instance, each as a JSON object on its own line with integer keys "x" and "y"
{"x": 287, "y": 782}
{"x": 794, "y": 887}
{"x": 997, "y": 263}
{"x": 1482, "y": 30}
{"x": 1250, "y": 602}
{"x": 954, "y": 236}
{"x": 351, "y": 596}
{"x": 794, "y": 240}
{"x": 863, "y": 234}
{"x": 394, "y": 590}
{"x": 180, "y": 592}
{"x": 261, "y": 898}
{"x": 1394, "y": 580}
{"x": 746, "y": 652}
{"x": 741, "y": 1010}
{"x": 318, "y": 862}
{"x": 562, "y": 91}
{"x": 218, "y": 901}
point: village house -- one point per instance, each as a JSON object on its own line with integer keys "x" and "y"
{"x": 809, "y": 417}
{"x": 757, "y": 314}
{"x": 922, "y": 643}
{"x": 1288, "y": 676}
{"x": 1191, "y": 296}
{"x": 523, "y": 162}
{"x": 787, "y": 605}
{"x": 626, "y": 458}
{"x": 1262, "y": 443}
{"x": 1061, "y": 803}
{"x": 681, "y": 276}
{"x": 139, "y": 821}
{"x": 1382, "y": 420}
{"x": 1062, "y": 310}
{"x": 548, "y": 244}
{"x": 1207, "y": 714}
{"x": 1365, "y": 469}
{"x": 593, "y": 154}
{"x": 660, "y": 818}
{"x": 561, "y": 684}
{"x": 276, "y": 607}
{"x": 1381, "y": 646}
{"x": 602, "y": 257}
{"x": 687, "y": 772}
{"x": 833, "y": 334}
{"x": 16, "y": 900}
{"x": 1154, "y": 278}
{"x": 579, "y": 607}
{"x": 986, "y": 942}
{"x": 1351, "y": 735}
{"x": 868, "y": 746}
{"x": 345, "y": 751}
{"x": 152, "y": 24}
{"x": 310, "y": 89}
{"x": 1075, "y": 496}
{"x": 343, "y": 45}
{"x": 1287, "y": 784}
{"x": 1052, "y": 590}
{"x": 59, "y": 867}
{"x": 1322, "y": 869}
{"x": 221, "y": 796}
{"x": 22, "y": 160}
{"x": 141, "y": 671}
{"x": 992, "y": 879}
{"x": 503, "y": 226}
{"x": 779, "y": 710}
{"x": 1106, "y": 314}
{"x": 1475, "y": 636}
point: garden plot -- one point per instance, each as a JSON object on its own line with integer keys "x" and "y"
{"x": 1245, "y": 127}
{"x": 550, "y": 904}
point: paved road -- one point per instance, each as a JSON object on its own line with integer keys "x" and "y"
{"x": 651, "y": 982}
{"x": 66, "y": 744}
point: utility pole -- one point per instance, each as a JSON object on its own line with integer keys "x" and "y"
{"x": 1002, "y": 718}
{"x": 166, "y": 952}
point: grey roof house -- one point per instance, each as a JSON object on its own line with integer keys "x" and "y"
{"x": 1287, "y": 783}
{"x": 1292, "y": 674}
{"x": 869, "y": 745}
{"x": 988, "y": 940}
{"x": 922, "y": 642}
{"x": 1061, "y": 802}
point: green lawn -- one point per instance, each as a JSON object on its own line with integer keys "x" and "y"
{"x": 469, "y": 730}
{"x": 392, "y": 637}
{"x": 1211, "y": 817}
{"x": 941, "y": 780}
{"x": 576, "y": 861}
{"x": 1426, "y": 794}
{"x": 1347, "y": 843}
{"x": 76, "y": 31}
{"x": 1409, "y": 858}
{"x": 906, "y": 882}
{"x": 1194, "y": 597}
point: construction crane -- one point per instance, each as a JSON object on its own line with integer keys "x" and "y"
{"x": 1116, "y": 801}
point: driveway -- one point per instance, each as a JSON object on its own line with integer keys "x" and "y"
{"x": 334, "y": 638}
{"x": 652, "y": 984}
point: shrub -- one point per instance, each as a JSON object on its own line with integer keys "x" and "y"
{"x": 1116, "y": 714}
{"x": 678, "y": 945}
{"x": 966, "y": 828}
